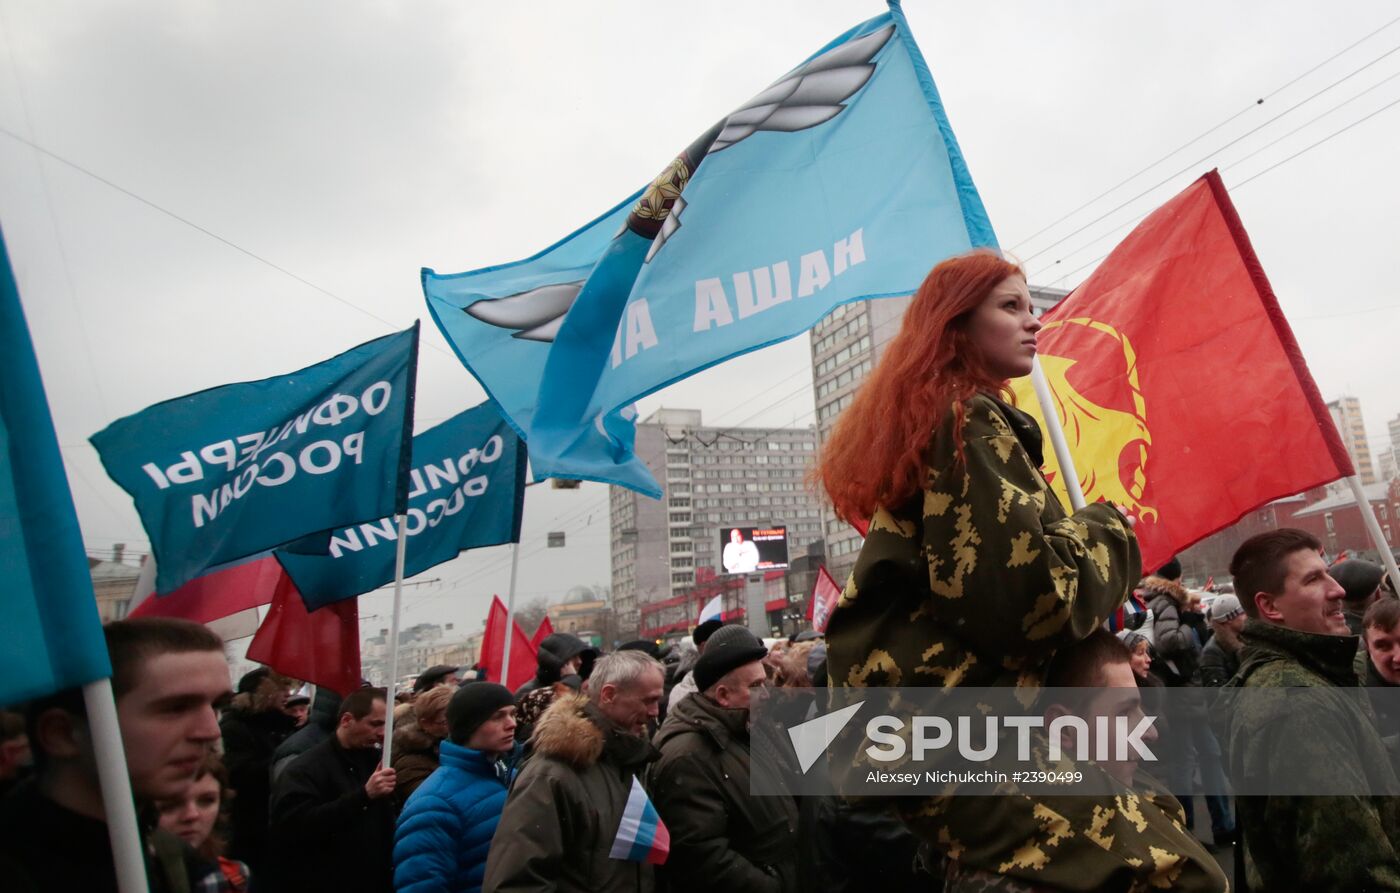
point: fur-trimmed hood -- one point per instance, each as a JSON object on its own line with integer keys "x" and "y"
{"x": 1154, "y": 587}
{"x": 574, "y": 731}
{"x": 410, "y": 738}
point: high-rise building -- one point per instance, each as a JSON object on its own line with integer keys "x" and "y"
{"x": 845, "y": 347}
{"x": 1346, "y": 413}
{"x": 714, "y": 479}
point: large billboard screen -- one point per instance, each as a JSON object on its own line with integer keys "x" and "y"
{"x": 747, "y": 550}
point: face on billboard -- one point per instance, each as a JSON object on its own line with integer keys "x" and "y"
{"x": 747, "y": 550}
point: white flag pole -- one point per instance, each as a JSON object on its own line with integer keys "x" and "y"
{"x": 1057, "y": 436}
{"x": 1368, "y": 514}
{"x": 510, "y": 613}
{"x": 117, "y": 801}
{"x": 392, "y": 687}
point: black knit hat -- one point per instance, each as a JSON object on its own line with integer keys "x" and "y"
{"x": 472, "y": 705}
{"x": 430, "y": 677}
{"x": 1171, "y": 570}
{"x": 250, "y": 681}
{"x": 729, "y": 648}
{"x": 704, "y": 631}
{"x": 1357, "y": 576}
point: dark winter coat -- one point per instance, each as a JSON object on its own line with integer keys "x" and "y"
{"x": 47, "y": 848}
{"x": 327, "y": 833}
{"x": 250, "y": 740}
{"x": 320, "y": 723}
{"x": 1218, "y": 663}
{"x": 445, "y": 830}
{"x": 1335, "y": 843}
{"x": 858, "y": 847}
{"x": 1385, "y": 702}
{"x": 1172, "y": 638}
{"x": 722, "y": 837}
{"x": 565, "y": 806}
{"x": 415, "y": 758}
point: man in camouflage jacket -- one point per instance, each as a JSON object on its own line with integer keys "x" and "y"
{"x": 1293, "y": 710}
{"x": 977, "y": 581}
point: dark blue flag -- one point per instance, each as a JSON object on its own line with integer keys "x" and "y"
{"x": 239, "y": 469}
{"x": 468, "y": 491}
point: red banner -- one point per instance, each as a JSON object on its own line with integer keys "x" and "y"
{"x": 493, "y": 646}
{"x": 823, "y": 600}
{"x": 545, "y": 629}
{"x": 1181, "y": 389}
{"x": 322, "y": 646}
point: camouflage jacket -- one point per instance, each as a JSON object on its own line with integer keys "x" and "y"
{"x": 1334, "y": 843}
{"x": 977, "y": 582}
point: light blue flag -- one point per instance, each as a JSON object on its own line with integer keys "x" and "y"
{"x": 840, "y": 182}
{"x": 240, "y": 469}
{"x": 50, "y": 635}
{"x": 468, "y": 492}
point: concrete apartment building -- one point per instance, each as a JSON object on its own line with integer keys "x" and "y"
{"x": 845, "y": 347}
{"x": 1346, "y": 413}
{"x": 714, "y": 478}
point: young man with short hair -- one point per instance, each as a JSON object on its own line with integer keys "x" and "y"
{"x": 1296, "y": 637}
{"x": 445, "y": 831}
{"x": 1381, "y": 637}
{"x": 332, "y": 809}
{"x": 168, "y": 678}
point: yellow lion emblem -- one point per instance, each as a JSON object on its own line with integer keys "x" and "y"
{"x": 1097, "y": 436}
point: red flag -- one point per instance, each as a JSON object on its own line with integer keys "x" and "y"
{"x": 322, "y": 646}
{"x": 823, "y": 601}
{"x": 493, "y": 645}
{"x": 1181, "y": 389}
{"x": 545, "y": 629}
{"x": 218, "y": 594}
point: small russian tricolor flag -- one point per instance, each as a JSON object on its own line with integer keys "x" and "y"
{"x": 642, "y": 836}
{"x": 1119, "y": 619}
{"x": 712, "y": 610}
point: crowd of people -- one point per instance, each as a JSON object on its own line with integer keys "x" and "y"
{"x": 633, "y": 770}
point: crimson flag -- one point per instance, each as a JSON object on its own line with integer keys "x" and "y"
{"x": 545, "y": 629}
{"x": 1181, "y": 389}
{"x": 321, "y": 646}
{"x": 823, "y": 601}
{"x": 493, "y": 644}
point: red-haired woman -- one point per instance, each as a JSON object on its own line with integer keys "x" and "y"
{"x": 973, "y": 574}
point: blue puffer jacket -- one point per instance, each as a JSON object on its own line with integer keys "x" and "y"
{"x": 446, "y": 827}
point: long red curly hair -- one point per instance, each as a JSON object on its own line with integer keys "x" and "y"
{"x": 876, "y": 454}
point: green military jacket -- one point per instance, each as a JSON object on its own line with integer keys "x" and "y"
{"x": 1333, "y": 843}
{"x": 977, "y": 581}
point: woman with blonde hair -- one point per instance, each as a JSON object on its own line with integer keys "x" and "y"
{"x": 973, "y": 574}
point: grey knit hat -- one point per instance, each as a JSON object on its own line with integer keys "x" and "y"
{"x": 1225, "y": 608}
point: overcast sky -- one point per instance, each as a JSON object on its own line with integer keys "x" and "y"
{"x": 320, "y": 153}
